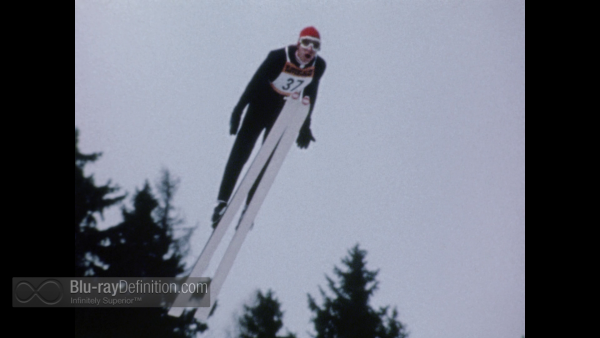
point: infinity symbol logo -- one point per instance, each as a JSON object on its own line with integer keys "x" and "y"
{"x": 49, "y": 292}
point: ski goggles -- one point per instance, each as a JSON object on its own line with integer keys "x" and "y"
{"x": 308, "y": 41}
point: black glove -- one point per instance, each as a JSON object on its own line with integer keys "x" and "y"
{"x": 234, "y": 123}
{"x": 304, "y": 137}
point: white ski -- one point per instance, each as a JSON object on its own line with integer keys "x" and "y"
{"x": 279, "y": 154}
{"x": 284, "y": 120}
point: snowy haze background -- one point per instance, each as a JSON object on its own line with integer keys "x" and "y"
{"x": 420, "y": 152}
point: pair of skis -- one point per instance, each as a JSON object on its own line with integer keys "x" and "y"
{"x": 276, "y": 146}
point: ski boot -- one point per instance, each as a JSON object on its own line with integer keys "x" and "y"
{"x": 218, "y": 213}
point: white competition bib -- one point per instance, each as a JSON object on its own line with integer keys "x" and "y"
{"x": 292, "y": 78}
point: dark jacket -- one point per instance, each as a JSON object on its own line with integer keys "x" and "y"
{"x": 264, "y": 102}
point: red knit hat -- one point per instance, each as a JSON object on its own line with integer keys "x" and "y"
{"x": 310, "y": 31}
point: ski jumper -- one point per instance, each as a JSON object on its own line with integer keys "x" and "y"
{"x": 280, "y": 75}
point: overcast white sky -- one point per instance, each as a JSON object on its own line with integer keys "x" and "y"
{"x": 420, "y": 152}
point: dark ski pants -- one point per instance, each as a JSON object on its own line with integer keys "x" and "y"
{"x": 240, "y": 153}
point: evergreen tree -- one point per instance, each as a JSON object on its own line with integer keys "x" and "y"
{"x": 142, "y": 245}
{"x": 168, "y": 217}
{"x": 263, "y": 319}
{"x": 90, "y": 201}
{"x": 347, "y": 314}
